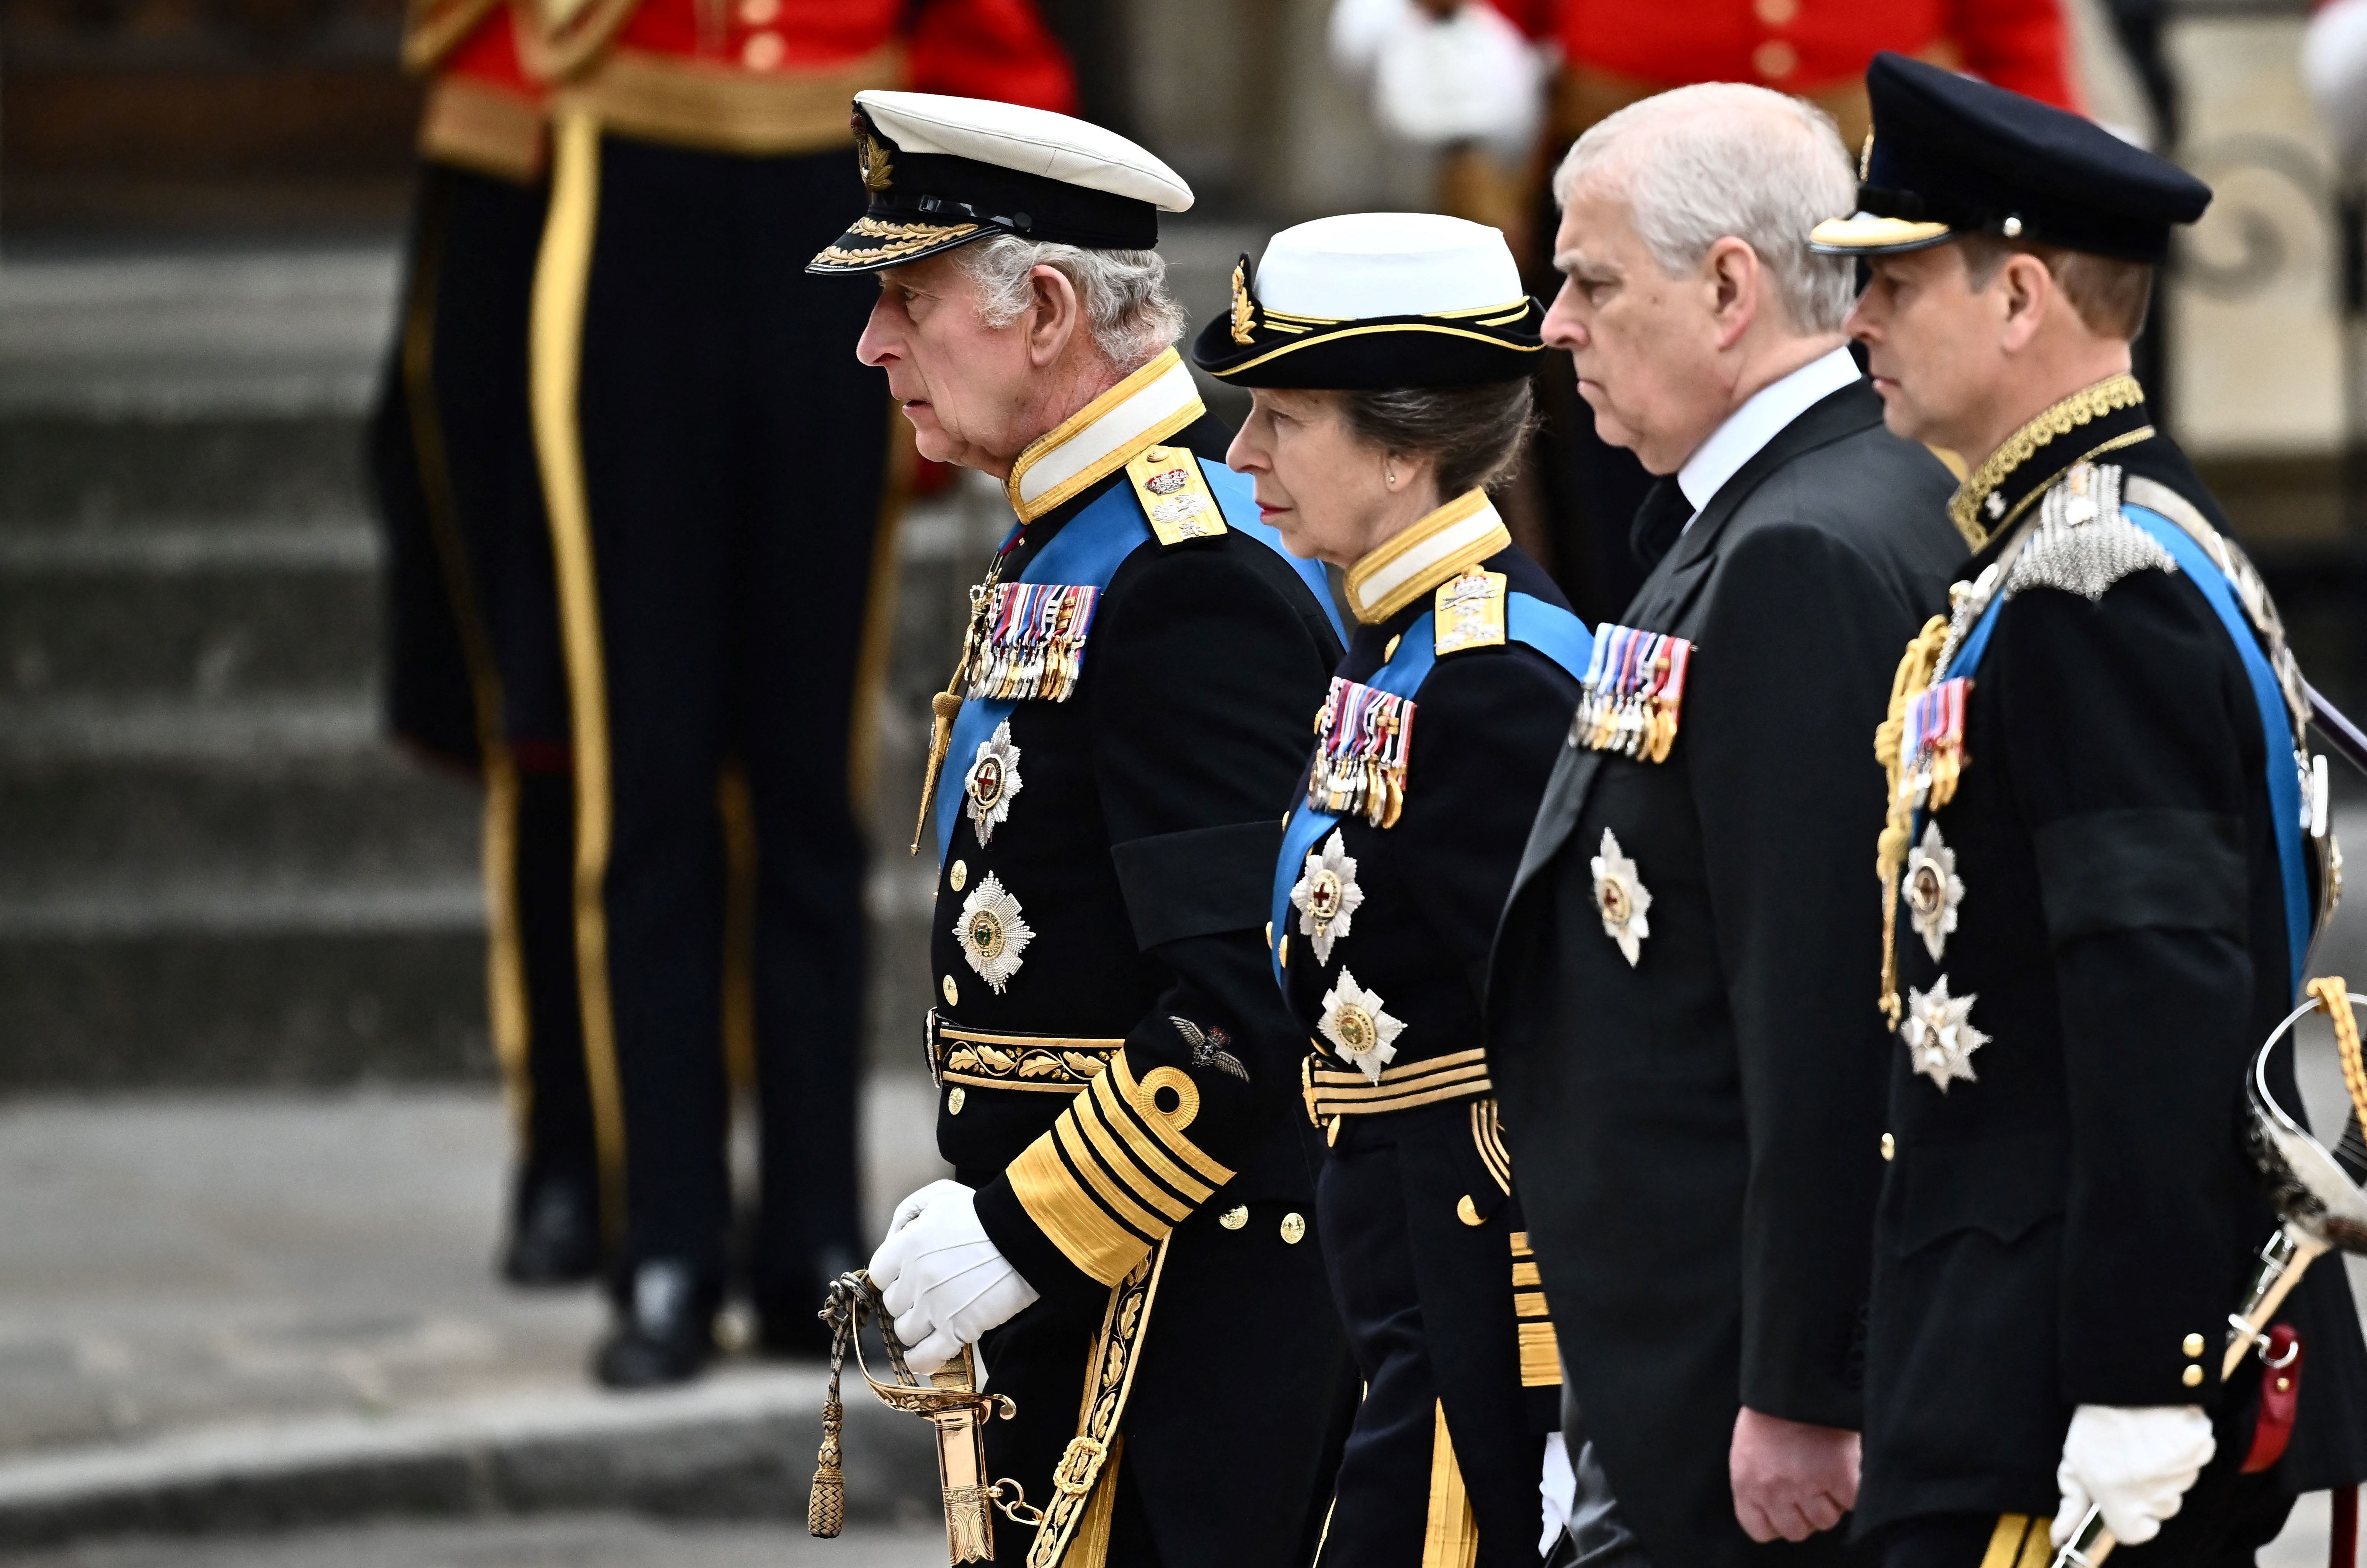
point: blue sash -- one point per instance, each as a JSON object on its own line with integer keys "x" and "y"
{"x": 1087, "y": 552}
{"x": 1549, "y": 628}
{"x": 2284, "y": 779}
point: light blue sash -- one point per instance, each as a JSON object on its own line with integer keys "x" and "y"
{"x": 1087, "y": 551}
{"x": 2284, "y": 779}
{"x": 1549, "y": 628}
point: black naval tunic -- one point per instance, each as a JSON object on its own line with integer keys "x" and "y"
{"x": 2070, "y": 1217}
{"x": 1135, "y": 846}
{"x": 1421, "y": 1229}
{"x": 1696, "y": 1127}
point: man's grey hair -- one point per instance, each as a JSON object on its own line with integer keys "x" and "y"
{"x": 1127, "y": 307}
{"x": 1722, "y": 158}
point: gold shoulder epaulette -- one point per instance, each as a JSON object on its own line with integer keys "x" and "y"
{"x": 1174, "y": 495}
{"x": 1468, "y": 612}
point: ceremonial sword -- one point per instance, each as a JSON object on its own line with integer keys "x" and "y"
{"x": 2325, "y": 1209}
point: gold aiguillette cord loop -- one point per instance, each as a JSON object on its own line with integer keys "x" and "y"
{"x": 2335, "y": 998}
{"x": 945, "y": 704}
{"x": 1916, "y": 668}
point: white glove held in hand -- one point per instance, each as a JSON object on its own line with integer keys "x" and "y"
{"x": 2135, "y": 1463}
{"x": 941, "y": 1279}
{"x": 1557, "y": 1493}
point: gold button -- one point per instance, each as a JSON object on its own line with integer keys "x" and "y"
{"x": 960, "y": 874}
{"x": 1775, "y": 59}
{"x": 1777, "y": 13}
{"x": 762, "y": 51}
{"x": 2191, "y": 1345}
{"x": 1282, "y": 951}
{"x": 1294, "y": 1228}
{"x": 1467, "y": 1211}
{"x": 955, "y": 1100}
{"x": 2191, "y": 1377}
{"x": 1889, "y": 1147}
{"x": 1391, "y": 651}
{"x": 952, "y": 991}
{"x": 1269, "y": 936}
{"x": 1235, "y": 1217}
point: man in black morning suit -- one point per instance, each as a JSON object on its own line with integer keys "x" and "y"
{"x": 1690, "y": 1074}
{"x": 1117, "y": 1075}
{"x": 2107, "y": 866}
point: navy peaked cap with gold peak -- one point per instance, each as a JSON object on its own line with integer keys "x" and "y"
{"x": 1373, "y": 300}
{"x": 945, "y": 171}
{"x": 1952, "y": 155}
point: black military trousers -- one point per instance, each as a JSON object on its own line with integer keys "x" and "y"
{"x": 1232, "y": 1433}
{"x": 476, "y": 668}
{"x": 1446, "y": 1440}
{"x": 733, "y": 458}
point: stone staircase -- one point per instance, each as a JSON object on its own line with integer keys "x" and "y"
{"x": 214, "y": 867}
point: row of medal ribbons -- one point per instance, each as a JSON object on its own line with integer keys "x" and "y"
{"x": 1361, "y": 738}
{"x": 1934, "y": 740}
{"x": 1035, "y": 641}
{"x": 1632, "y": 692}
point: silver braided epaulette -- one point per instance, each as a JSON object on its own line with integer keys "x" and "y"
{"x": 2082, "y": 544}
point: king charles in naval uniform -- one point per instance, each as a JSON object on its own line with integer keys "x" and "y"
{"x": 1117, "y": 1078}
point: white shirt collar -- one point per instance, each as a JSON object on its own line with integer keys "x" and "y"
{"x": 1145, "y": 409}
{"x": 1757, "y": 421}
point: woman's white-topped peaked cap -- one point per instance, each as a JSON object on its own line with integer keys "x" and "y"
{"x": 1376, "y": 300}
{"x": 1387, "y": 263}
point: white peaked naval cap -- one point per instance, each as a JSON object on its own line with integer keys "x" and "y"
{"x": 944, "y": 172}
{"x": 1032, "y": 141}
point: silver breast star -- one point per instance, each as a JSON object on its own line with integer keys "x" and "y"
{"x": 1940, "y": 1036}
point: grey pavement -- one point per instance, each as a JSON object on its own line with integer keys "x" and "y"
{"x": 169, "y": 1263}
{"x": 584, "y": 1540}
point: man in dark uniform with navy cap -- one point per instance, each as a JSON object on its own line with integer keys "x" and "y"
{"x": 2105, "y": 857}
{"x": 1128, "y": 1240}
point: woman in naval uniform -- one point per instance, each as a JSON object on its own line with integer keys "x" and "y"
{"x": 1389, "y": 357}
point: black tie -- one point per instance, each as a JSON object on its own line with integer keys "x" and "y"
{"x": 1659, "y": 522}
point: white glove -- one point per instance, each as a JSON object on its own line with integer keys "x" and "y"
{"x": 1556, "y": 1492}
{"x": 942, "y": 1279}
{"x": 2135, "y": 1463}
{"x": 1470, "y": 78}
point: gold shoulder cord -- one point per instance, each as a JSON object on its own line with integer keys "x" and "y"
{"x": 948, "y": 702}
{"x": 1916, "y": 668}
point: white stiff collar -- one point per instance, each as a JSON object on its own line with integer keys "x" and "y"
{"x": 1751, "y": 427}
{"x": 1145, "y": 409}
{"x": 1451, "y": 540}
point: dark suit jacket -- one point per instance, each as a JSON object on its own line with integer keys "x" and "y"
{"x": 1697, "y": 1136}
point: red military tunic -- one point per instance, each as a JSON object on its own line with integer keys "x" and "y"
{"x": 1615, "y": 51}
{"x": 482, "y": 111}
{"x": 775, "y": 77}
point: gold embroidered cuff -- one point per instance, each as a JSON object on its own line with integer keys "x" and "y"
{"x": 722, "y": 108}
{"x": 1540, "y": 1356}
{"x": 1116, "y": 1174}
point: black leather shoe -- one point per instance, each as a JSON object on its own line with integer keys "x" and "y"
{"x": 667, "y": 1333}
{"x": 555, "y": 1239}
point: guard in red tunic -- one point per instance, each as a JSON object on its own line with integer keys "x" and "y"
{"x": 718, "y": 468}
{"x": 477, "y": 676}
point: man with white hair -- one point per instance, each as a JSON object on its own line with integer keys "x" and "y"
{"x": 1679, "y": 1030}
{"x": 1127, "y": 1239}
